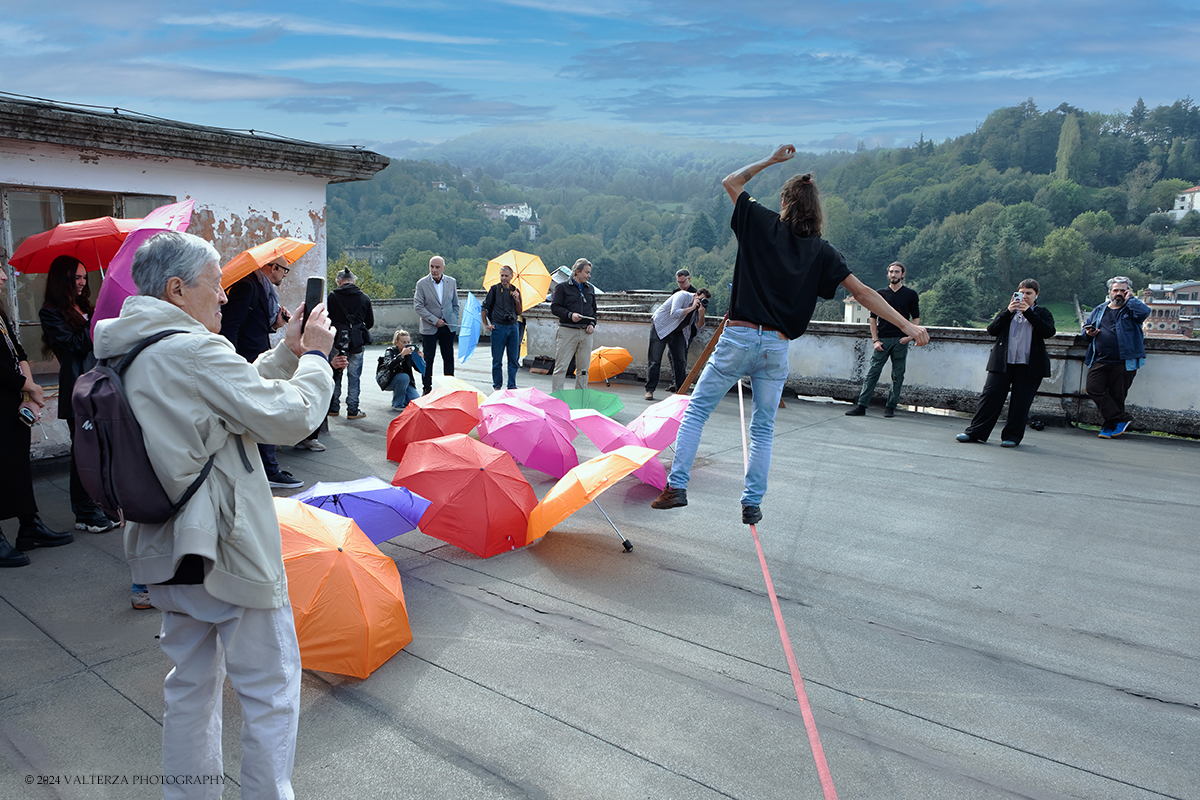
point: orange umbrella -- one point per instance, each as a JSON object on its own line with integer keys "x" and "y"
{"x": 608, "y": 362}
{"x": 583, "y": 485}
{"x": 479, "y": 499}
{"x": 247, "y": 261}
{"x": 346, "y": 595}
{"x": 93, "y": 241}
{"x": 529, "y": 276}
{"x": 439, "y": 413}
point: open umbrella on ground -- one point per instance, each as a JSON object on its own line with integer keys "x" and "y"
{"x": 439, "y": 413}
{"x": 583, "y": 485}
{"x": 606, "y": 403}
{"x": 608, "y": 362}
{"x": 479, "y": 499}
{"x": 346, "y": 596}
{"x": 533, "y": 436}
{"x": 118, "y": 284}
{"x": 609, "y": 435}
{"x": 469, "y": 327}
{"x": 658, "y": 425}
{"x": 529, "y": 274}
{"x": 381, "y": 510}
{"x": 538, "y": 399}
{"x": 458, "y": 384}
{"x": 247, "y": 261}
{"x": 93, "y": 241}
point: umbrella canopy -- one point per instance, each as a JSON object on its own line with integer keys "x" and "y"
{"x": 658, "y": 425}
{"x": 458, "y": 384}
{"x": 381, "y": 510}
{"x": 469, "y": 327}
{"x": 606, "y": 403}
{"x": 532, "y": 436}
{"x": 538, "y": 399}
{"x": 439, "y": 413}
{"x": 346, "y": 596}
{"x": 93, "y": 241}
{"x": 118, "y": 284}
{"x": 247, "y": 261}
{"x": 584, "y": 484}
{"x": 529, "y": 275}
{"x": 608, "y": 362}
{"x": 479, "y": 499}
{"x": 609, "y": 435}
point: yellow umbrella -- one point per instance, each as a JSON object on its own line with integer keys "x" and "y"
{"x": 582, "y": 485}
{"x": 247, "y": 261}
{"x": 458, "y": 384}
{"x": 529, "y": 276}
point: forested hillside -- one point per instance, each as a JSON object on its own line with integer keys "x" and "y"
{"x": 1066, "y": 196}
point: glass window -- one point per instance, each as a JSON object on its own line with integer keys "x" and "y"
{"x": 137, "y": 206}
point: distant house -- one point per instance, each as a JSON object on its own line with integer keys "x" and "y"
{"x": 855, "y": 311}
{"x": 370, "y": 253}
{"x": 440, "y": 186}
{"x": 61, "y": 164}
{"x": 521, "y": 211}
{"x": 1174, "y": 309}
{"x": 1185, "y": 201}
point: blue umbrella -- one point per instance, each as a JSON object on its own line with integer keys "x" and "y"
{"x": 469, "y": 327}
{"x": 381, "y": 510}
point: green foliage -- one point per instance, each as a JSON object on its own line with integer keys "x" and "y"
{"x": 951, "y": 302}
{"x": 362, "y": 270}
{"x": 1058, "y": 263}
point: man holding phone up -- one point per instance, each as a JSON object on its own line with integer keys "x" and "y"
{"x": 1116, "y": 350}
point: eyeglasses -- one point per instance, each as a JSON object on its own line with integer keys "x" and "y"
{"x": 286, "y": 269}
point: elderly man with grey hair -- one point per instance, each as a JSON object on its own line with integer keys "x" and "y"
{"x": 215, "y": 569}
{"x": 1116, "y": 351}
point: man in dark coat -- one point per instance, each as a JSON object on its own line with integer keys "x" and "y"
{"x": 352, "y": 318}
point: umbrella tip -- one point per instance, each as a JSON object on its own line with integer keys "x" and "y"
{"x": 628, "y": 545}
{"x": 339, "y": 549}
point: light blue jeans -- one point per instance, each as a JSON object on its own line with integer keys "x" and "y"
{"x": 403, "y": 392}
{"x": 763, "y": 357}
{"x": 353, "y": 382}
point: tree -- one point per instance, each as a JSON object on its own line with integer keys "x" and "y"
{"x": 362, "y": 270}
{"x": 1190, "y": 224}
{"x": 1059, "y": 263}
{"x": 702, "y": 233}
{"x": 1070, "y": 151}
{"x": 951, "y": 302}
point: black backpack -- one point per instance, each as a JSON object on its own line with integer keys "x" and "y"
{"x": 110, "y": 453}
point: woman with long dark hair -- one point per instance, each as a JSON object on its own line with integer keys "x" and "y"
{"x": 66, "y": 311}
{"x": 21, "y": 402}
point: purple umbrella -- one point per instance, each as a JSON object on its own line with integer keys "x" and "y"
{"x": 381, "y": 510}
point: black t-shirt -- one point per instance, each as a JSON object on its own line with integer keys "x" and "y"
{"x": 1105, "y": 345}
{"x": 907, "y": 304}
{"x": 778, "y": 276}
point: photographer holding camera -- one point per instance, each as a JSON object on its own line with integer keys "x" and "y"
{"x": 395, "y": 370}
{"x": 672, "y": 327}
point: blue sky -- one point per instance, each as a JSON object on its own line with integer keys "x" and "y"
{"x": 394, "y": 74}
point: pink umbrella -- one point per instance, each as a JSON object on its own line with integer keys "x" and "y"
{"x": 532, "y": 436}
{"x": 118, "y": 283}
{"x": 538, "y": 399}
{"x": 658, "y": 425}
{"x": 609, "y": 435}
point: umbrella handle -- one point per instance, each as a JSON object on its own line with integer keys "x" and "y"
{"x": 627, "y": 544}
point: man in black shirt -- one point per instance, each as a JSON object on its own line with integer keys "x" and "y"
{"x": 889, "y": 341}
{"x": 500, "y": 310}
{"x": 782, "y": 267}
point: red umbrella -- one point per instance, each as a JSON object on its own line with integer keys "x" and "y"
{"x": 93, "y": 241}
{"x": 479, "y": 499}
{"x": 534, "y": 437}
{"x": 439, "y": 413}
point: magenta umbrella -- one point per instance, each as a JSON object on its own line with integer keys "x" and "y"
{"x": 534, "y": 437}
{"x": 658, "y": 425}
{"x": 538, "y": 399}
{"x": 609, "y": 435}
{"x": 118, "y": 283}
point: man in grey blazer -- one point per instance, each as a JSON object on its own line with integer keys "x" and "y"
{"x": 436, "y": 302}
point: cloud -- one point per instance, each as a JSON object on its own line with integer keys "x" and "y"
{"x": 279, "y": 24}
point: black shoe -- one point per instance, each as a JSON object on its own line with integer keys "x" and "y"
{"x": 966, "y": 437}
{"x": 284, "y": 480}
{"x": 671, "y": 498}
{"x": 889, "y": 412}
{"x": 10, "y": 557}
{"x": 36, "y": 534}
{"x": 857, "y": 411}
{"x": 672, "y": 389}
{"x": 751, "y": 515}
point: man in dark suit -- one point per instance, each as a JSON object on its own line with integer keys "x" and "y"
{"x": 436, "y": 302}
{"x": 252, "y": 314}
{"x": 1016, "y": 366}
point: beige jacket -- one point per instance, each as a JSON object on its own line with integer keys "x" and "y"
{"x": 194, "y": 396}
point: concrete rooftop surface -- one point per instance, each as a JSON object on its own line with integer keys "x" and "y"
{"x": 970, "y": 622}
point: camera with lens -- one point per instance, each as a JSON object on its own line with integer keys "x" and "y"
{"x": 341, "y": 343}
{"x": 704, "y": 302}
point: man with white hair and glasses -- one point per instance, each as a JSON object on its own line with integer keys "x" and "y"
{"x": 1116, "y": 351}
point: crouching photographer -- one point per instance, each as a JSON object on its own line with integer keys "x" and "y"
{"x": 395, "y": 370}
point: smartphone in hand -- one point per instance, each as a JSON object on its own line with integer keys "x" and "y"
{"x": 314, "y": 295}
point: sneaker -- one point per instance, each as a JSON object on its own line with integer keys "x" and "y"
{"x": 672, "y": 389}
{"x": 1119, "y": 429}
{"x": 97, "y": 523}
{"x": 140, "y": 599}
{"x": 1009, "y": 443}
{"x": 857, "y": 411}
{"x": 751, "y": 515}
{"x": 671, "y": 498}
{"x": 310, "y": 444}
{"x": 1106, "y": 433}
{"x": 284, "y": 480}
{"x": 649, "y": 395}
{"x": 355, "y": 414}
{"x": 889, "y": 411}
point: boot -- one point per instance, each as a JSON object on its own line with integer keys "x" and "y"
{"x": 10, "y": 557}
{"x": 35, "y": 534}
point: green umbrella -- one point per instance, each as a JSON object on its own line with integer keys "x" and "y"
{"x": 606, "y": 403}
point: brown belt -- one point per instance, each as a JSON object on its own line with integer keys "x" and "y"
{"x": 737, "y": 323}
